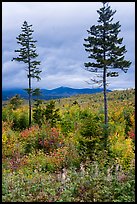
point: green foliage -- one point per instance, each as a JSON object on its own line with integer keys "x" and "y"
{"x": 20, "y": 121}
{"x": 120, "y": 148}
{"x": 90, "y": 128}
{"x": 38, "y": 115}
{"x": 18, "y": 117}
{"x": 49, "y": 114}
{"x": 71, "y": 119}
{"x": 15, "y": 101}
{"x": 98, "y": 46}
{"x": 36, "y": 92}
{"x": 127, "y": 117}
{"x": 7, "y": 113}
{"x": 91, "y": 135}
{"x": 67, "y": 123}
{"x": 28, "y": 53}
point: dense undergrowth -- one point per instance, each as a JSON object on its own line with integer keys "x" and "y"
{"x": 61, "y": 157}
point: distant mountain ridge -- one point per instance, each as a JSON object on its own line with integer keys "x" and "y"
{"x": 60, "y": 92}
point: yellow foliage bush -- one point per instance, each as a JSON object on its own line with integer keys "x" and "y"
{"x": 121, "y": 148}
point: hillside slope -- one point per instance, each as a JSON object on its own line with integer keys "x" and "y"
{"x": 60, "y": 92}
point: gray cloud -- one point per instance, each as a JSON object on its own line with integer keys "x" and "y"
{"x": 60, "y": 29}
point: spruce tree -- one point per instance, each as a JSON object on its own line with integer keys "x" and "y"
{"x": 105, "y": 51}
{"x": 28, "y": 55}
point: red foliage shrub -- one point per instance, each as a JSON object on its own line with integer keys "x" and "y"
{"x": 52, "y": 140}
{"x": 131, "y": 134}
{"x": 27, "y": 132}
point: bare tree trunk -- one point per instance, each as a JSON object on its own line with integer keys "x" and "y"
{"x": 29, "y": 84}
{"x": 105, "y": 97}
{"x": 105, "y": 110}
{"x": 29, "y": 100}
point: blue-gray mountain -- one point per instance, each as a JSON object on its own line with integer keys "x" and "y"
{"x": 60, "y": 92}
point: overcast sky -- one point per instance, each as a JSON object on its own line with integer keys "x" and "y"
{"x": 60, "y": 29}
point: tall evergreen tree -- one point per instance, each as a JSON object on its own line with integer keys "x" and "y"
{"x": 27, "y": 54}
{"x": 105, "y": 51}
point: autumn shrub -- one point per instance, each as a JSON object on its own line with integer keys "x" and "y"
{"x": 56, "y": 159}
{"x": 120, "y": 147}
{"x": 65, "y": 157}
{"x": 67, "y": 123}
{"x": 73, "y": 158}
{"x": 41, "y": 162}
{"x": 10, "y": 142}
{"x": 129, "y": 119}
{"x": 61, "y": 151}
{"x": 17, "y": 161}
{"x": 29, "y": 138}
{"x": 70, "y": 119}
{"x": 7, "y": 114}
{"x": 6, "y": 125}
{"x": 20, "y": 119}
{"x": 131, "y": 134}
{"x": 50, "y": 138}
{"x": 45, "y": 138}
{"x": 84, "y": 114}
{"x": 38, "y": 161}
{"x": 116, "y": 115}
{"x": 6, "y": 129}
{"x": 17, "y": 116}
